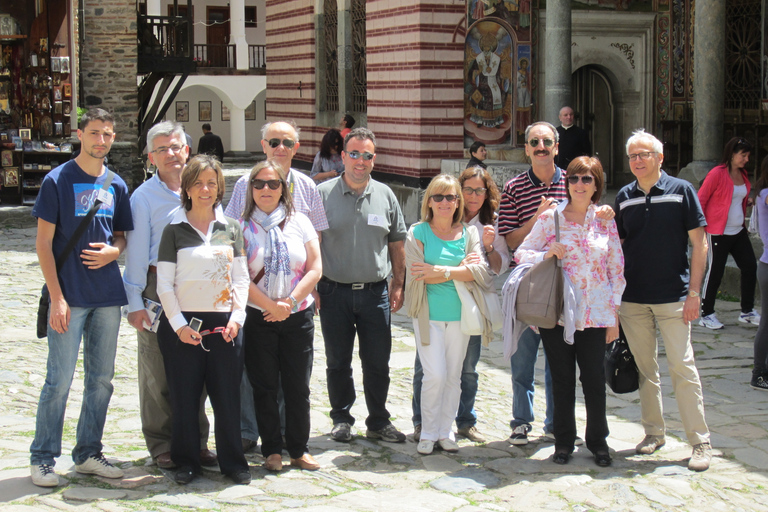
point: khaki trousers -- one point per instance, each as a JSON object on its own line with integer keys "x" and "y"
{"x": 639, "y": 322}
{"x": 154, "y": 405}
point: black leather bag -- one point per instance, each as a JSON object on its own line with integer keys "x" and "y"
{"x": 42, "y": 313}
{"x": 621, "y": 373}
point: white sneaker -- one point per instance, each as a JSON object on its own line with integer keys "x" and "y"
{"x": 98, "y": 465}
{"x": 44, "y": 476}
{"x": 711, "y": 322}
{"x": 425, "y": 447}
{"x": 753, "y": 317}
{"x": 448, "y": 445}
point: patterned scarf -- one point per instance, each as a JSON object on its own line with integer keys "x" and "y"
{"x": 277, "y": 269}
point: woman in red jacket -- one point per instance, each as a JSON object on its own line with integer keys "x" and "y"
{"x": 724, "y": 197}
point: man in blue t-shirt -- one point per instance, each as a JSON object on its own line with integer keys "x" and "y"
{"x": 86, "y": 296}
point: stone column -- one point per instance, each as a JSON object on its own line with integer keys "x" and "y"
{"x": 237, "y": 33}
{"x": 236, "y": 130}
{"x": 344, "y": 53}
{"x": 557, "y": 78}
{"x": 708, "y": 89}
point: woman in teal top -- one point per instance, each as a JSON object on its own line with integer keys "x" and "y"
{"x": 435, "y": 252}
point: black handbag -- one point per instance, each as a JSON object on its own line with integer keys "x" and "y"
{"x": 45, "y": 297}
{"x": 621, "y": 373}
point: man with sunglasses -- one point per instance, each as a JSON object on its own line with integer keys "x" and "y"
{"x": 364, "y": 243}
{"x": 658, "y": 216}
{"x": 210, "y": 144}
{"x": 280, "y": 142}
{"x": 153, "y": 205}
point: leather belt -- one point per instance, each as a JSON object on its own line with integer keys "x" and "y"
{"x": 354, "y": 286}
{"x": 152, "y": 269}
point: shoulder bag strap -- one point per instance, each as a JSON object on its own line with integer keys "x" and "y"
{"x": 83, "y": 224}
{"x": 557, "y": 234}
{"x": 261, "y": 272}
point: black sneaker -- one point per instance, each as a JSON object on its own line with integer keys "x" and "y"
{"x": 389, "y": 434}
{"x": 520, "y": 435}
{"x": 759, "y": 382}
{"x": 342, "y": 432}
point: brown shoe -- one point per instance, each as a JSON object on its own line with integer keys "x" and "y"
{"x": 208, "y": 457}
{"x": 417, "y": 433}
{"x": 307, "y": 462}
{"x": 650, "y": 444}
{"x": 701, "y": 457}
{"x": 164, "y": 461}
{"x": 274, "y": 462}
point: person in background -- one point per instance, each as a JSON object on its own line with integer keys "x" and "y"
{"x": 478, "y": 154}
{"x": 593, "y": 264}
{"x": 760, "y": 369}
{"x": 210, "y": 144}
{"x": 284, "y": 265}
{"x": 346, "y": 124}
{"x": 328, "y": 162}
{"x": 724, "y": 197}
{"x": 574, "y": 141}
{"x": 481, "y": 199}
{"x": 202, "y": 282}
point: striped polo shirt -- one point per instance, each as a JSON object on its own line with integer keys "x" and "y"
{"x": 522, "y": 197}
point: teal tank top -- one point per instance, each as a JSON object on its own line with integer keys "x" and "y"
{"x": 443, "y": 300}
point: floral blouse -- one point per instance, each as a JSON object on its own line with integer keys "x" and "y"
{"x": 593, "y": 263}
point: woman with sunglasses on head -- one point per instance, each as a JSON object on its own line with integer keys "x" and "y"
{"x": 481, "y": 200}
{"x": 436, "y": 251}
{"x": 328, "y": 162}
{"x": 724, "y": 197}
{"x": 284, "y": 265}
{"x": 202, "y": 283}
{"x": 593, "y": 267}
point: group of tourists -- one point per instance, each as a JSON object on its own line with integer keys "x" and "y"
{"x": 239, "y": 288}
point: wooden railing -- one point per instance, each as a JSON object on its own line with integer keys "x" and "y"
{"x": 215, "y": 56}
{"x": 257, "y": 56}
{"x": 164, "y": 36}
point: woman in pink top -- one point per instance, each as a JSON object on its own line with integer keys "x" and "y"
{"x": 724, "y": 197}
{"x": 593, "y": 264}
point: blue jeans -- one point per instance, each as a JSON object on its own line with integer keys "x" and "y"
{"x": 97, "y": 328}
{"x": 523, "y": 363}
{"x": 466, "y": 417}
{"x": 345, "y": 312}
{"x": 249, "y": 429}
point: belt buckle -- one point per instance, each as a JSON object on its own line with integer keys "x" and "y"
{"x": 358, "y": 286}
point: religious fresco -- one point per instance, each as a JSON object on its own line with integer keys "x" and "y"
{"x": 523, "y": 115}
{"x": 489, "y": 86}
{"x": 516, "y": 14}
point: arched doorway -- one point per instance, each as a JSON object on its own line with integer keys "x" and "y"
{"x": 595, "y": 112}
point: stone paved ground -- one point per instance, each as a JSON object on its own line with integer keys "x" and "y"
{"x": 376, "y": 476}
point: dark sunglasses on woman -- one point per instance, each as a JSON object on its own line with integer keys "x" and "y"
{"x": 585, "y": 179}
{"x": 259, "y": 184}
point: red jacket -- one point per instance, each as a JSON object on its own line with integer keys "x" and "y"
{"x": 715, "y": 196}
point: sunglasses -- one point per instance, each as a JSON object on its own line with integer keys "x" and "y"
{"x": 260, "y": 184}
{"x": 356, "y": 154}
{"x": 477, "y": 191}
{"x": 548, "y": 143}
{"x": 584, "y": 178}
{"x": 438, "y": 198}
{"x": 288, "y": 143}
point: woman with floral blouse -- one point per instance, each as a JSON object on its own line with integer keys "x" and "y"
{"x": 593, "y": 264}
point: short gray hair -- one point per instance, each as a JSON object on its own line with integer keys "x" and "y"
{"x": 266, "y": 127}
{"x": 361, "y": 134}
{"x": 642, "y": 136}
{"x": 542, "y": 123}
{"x": 165, "y": 129}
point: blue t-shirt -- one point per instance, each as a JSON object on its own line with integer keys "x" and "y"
{"x": 65, "y": 197}
{"x": 443, "y": 300}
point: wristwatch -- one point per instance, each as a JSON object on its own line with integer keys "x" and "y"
{"x": 447, "y": 273}
{"x": 693, "y": 293}
{"x": 294, "y": 303}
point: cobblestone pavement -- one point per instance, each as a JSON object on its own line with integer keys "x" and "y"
{"x": 375, "y": 476}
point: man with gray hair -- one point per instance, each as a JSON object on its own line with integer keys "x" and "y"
{"x": 663, "y": 291}
{"x": 153, "y": 205}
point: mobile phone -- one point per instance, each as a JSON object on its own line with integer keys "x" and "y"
{"x": 195, "y": 324}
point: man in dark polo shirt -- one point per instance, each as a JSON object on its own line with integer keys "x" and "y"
{"x": 366, "y": 232}
{"x": 574, "y": 141}
{"x": 657, "y": 216}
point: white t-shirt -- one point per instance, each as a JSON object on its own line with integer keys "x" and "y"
{"x": 735, "y": 222}
{"x": 298, "y": 230}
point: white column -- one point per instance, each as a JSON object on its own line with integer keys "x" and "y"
{"x": 237, "y": 128}
{"x": 237, "y": 35}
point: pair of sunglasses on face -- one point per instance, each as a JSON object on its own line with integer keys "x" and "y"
{"x": 354, "y": 155}
{"x": 439, "y": 198}
{"x": 586, "y": 179}
{"x": 548, "y": 143}
{"x": 260, "y": 184}
{"x": 288, "y": 143}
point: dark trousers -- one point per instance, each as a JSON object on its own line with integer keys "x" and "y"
{"x": 588, "y": 351}
{"x": 761, "y": 338}
{"x": 345, "y": 312}
{"x": 738, "y": 246}
{"x": 188, "y": 369}
{"x": 280, "y": 354}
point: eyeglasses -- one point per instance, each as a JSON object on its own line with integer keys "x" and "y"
{"x": 645, "y": 155}
{"x": 438, "y": 198}
{"x": 477, "y": 191}
{"x": 354, "y": 155}
{"x": 288, "y": 143}
{"x": 260, "y": 184}
{"x": 217, "y": 330}
{"x": 534, "y": 143}
{"x": 175, "y": 148}
{"x": 586, "y": 179}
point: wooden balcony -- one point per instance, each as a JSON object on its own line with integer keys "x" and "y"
{"x": 221, "y": 59}
{"x": 165, "y": 44}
